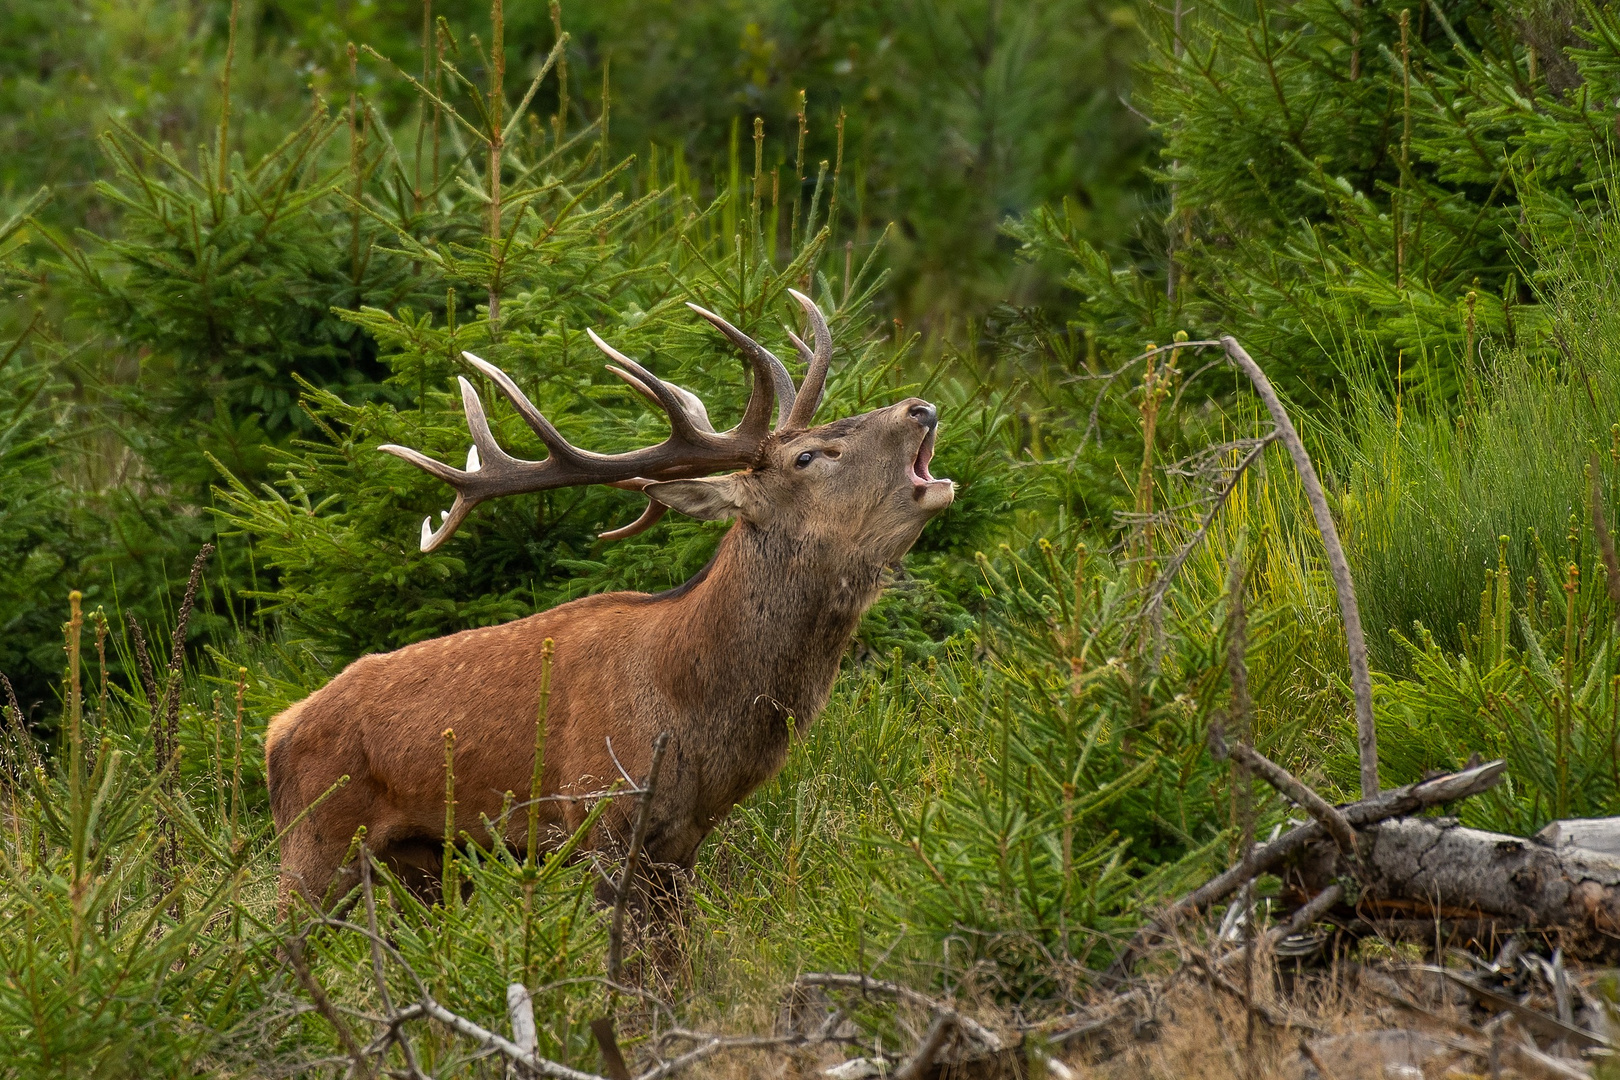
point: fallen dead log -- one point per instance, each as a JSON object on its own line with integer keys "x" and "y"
{"x": 1435, "y": 866}
{"x": 1267, "y": 857}
{"x": 1593, "y": 834}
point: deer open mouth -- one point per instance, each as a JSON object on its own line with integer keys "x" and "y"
{"x": 936, "y": 494}
{"x": 919, "y": 465}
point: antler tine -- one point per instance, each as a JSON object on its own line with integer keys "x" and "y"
{"x": 815, "y": 380}
{"x": 450, "y": 521}
{"x": 679, "y": 420}
{"x": 478, "y": 426}
{"x": 649, "y": 517}
{"x": 484, "y": 448}
{"x": 806, "y": 356}
{"x": 691, "y": 404}
{"x": 456, "y": 478}
{"x": 559, "y": 446}
{"x": 764, "y": 363}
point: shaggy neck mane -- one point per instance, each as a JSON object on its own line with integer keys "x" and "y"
{"x": 770, "y": 615}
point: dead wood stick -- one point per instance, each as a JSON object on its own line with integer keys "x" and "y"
{"x": 395, "y": 1020}
{"x": 1294, "y": 789}
{"x": 426, "y": 1006}
{"x": 1550, "y": 1026}
{"x": 324, "y": 1006}
{"x": 1095, "y": 1024}
{"x": 503, "y": 1046}
{"x": 972, "y": 1028}
{"x": 1107, "y": 378}
{"x": 1355, "y": 640}
{"x": 1382, "y": 807}
{"x": 520, "y": 1017}
{"x": 627, "y": 879}
{"x": 1535, "y": 1062}
{"x": 933, "y": 1039}
{"x": 1315, "y": 1059}
{"x": 395, "y": 1032}
{"x": 711, "y": 1044}
{"x": 1271, "y": 1016}
{"x": 1304, "y": 916}
{"x": 1115, "y": 1010}
{"x": 1184, "y": 552}
{"x": 608, "y": 1042}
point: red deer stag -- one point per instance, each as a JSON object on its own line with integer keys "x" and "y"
{"x": 723, "y": 663}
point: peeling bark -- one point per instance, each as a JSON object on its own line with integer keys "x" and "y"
{"x": 1435, "y": 866}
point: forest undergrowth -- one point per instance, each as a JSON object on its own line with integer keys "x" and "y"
{"x": 1014, "y": 771}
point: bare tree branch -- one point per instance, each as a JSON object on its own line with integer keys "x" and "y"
{"x": 1382, "y": 807}
{"x": 932, "y": 1041}
{"x": 395, "y": 1032}
{"x": 1293, "y": 788}
{"x": 317, "y": 994}
{"x": 972, "y": 1028}
{"x": 502, "y": 1045}
{"x": 627, "y": 878}
{"x": 1355, "y": 640}
{"x": 1162, "y": 585}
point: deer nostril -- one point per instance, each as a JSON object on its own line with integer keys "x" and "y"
{"x": 925, "y": 414}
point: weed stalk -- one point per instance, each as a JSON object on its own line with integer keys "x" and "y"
{"x": 449, "y": 890}
{"x": 497, "y": 144}
{"x": 1566, "y": 710}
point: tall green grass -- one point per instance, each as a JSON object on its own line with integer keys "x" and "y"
{"x": 1443, "y": 499}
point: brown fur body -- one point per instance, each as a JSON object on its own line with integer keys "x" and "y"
{"x": 724, "y": 664}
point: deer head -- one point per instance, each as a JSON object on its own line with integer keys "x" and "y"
{"x": 859, "y": 481}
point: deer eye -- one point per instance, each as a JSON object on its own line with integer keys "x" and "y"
{"x": 804, "y": 459}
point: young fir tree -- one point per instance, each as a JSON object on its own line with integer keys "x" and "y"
{"x": 1351, "y": 178}
{"x": 531, "y": 239}
{"x": 215, "y": 284}
{"x": 37, "y": 534}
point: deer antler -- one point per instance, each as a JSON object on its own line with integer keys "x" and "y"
{"x": 819, "y": 360}
{"x": 693, "y": 448}
{"x": 758, "y": 353}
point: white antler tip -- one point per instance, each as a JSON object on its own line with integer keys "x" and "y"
{"x": 801, "y": 298}
{"x": 444, "y": 515}
{"x": 473, "y": 462}
{"x": 427, "y": 532}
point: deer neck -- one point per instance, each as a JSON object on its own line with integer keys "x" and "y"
{"x": 773, "y": 616}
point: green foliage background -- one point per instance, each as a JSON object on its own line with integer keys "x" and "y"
{"x": 212, "y": 319}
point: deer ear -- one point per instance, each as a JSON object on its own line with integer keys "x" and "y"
{"x": 713, "y": 498}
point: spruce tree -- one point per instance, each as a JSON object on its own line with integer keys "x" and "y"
{"x": 1348, "y": 181}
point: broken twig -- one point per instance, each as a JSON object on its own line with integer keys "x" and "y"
{"x": 1385, "y": 805}
{"x": 1292, "y": 788}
